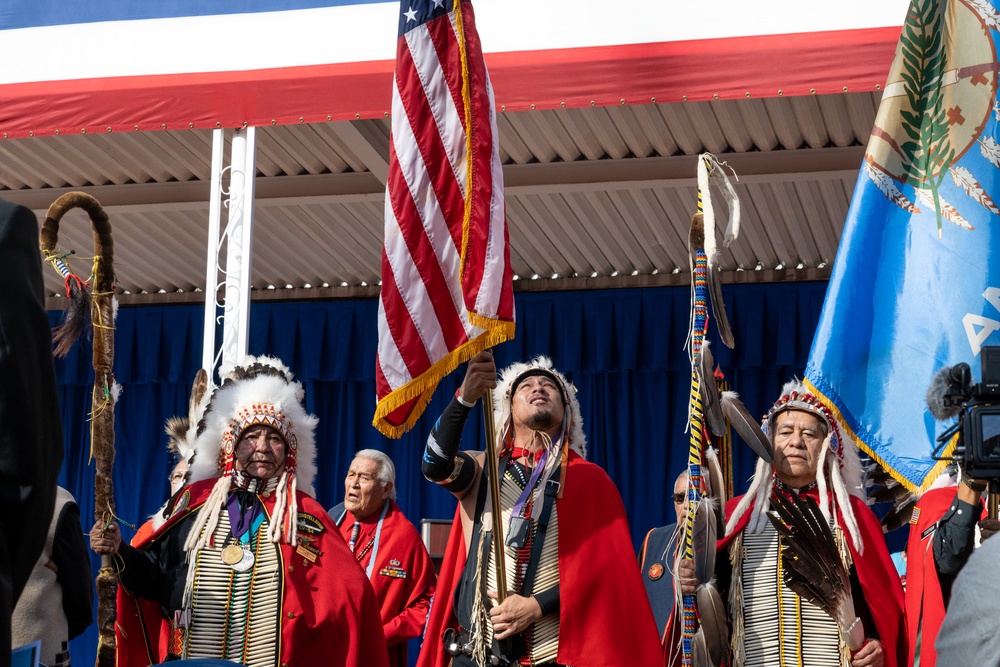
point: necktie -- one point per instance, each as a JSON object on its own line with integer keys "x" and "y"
{"x": 355, "y": 531}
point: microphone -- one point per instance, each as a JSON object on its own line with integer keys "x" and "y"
{"x": 948, "y": 384}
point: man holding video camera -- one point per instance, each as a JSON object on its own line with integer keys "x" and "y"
{"x": 977, "y": 406}
{"x": 943, "y": 524}
{"x": 954, "y": 538}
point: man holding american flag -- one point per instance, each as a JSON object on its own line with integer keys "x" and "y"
{"x": 447, "y": 296}
{"x": 576, "y": 596}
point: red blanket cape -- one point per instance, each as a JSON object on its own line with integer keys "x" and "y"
{"x": 403, "y": 578}
{"x": 924, "y": 600}
{"x": 876, "y": 573}
{"x": 604, "y": 615}
{"x": 329, "y": 613}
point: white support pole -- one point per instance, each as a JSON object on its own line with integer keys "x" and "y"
{"x": 249, "y": 191}
{"x": 212, "y": 259}
{"x": 240, "y": 231}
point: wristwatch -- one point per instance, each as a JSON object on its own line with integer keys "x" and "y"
{"x": 975, "y": 486}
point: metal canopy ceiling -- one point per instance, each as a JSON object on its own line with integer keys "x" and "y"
{"x": 596, "y": 197}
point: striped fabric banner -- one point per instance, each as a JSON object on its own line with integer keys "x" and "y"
{"x": 447, "y": 290}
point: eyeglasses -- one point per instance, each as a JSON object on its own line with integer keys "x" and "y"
{"x": 680, "y": 497}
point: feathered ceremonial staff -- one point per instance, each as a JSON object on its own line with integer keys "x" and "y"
{"x": 812, "y": 564}
{"x": 704, "y": 626}
{"x": 95, "y": 299}
{"x": 702, "y": 523}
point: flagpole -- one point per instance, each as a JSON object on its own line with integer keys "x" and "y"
{"x": 493, "y": 475}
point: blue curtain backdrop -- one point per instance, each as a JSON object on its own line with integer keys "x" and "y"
{"x": 623, "y": 349}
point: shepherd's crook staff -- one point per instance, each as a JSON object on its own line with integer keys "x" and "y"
{"x": 99, "y": 294}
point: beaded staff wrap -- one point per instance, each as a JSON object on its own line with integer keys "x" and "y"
{"x": 699, "y": 324}
{"x": 695, "y": 416}
{"x": 102, "y": 422}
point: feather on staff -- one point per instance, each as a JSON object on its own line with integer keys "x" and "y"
{"x": 705, "y": 367}
{"x": 713, "y": 626}
{"x": 696, "y": 242}
{"x": 746, "y": 426}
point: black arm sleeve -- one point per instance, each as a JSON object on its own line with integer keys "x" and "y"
{"x": 548, "y": 600}
{"x": 953, "y": 542}
{"x": 442, "y": 463}
{"x": 139, "y": 571}
{"x": 72, "y": 559}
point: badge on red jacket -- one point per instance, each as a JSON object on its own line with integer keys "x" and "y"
{"x": 393, "y": 570}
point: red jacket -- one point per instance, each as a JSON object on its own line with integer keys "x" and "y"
{"x": 604, "y": 614}
{"x": 328, "y": 611}
{"x": 924, "y": 599}
{"x": 876, "y": 573}
{"x": 403, "y": 576}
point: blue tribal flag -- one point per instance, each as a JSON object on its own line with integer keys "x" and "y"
{"x": 916, "y": 283}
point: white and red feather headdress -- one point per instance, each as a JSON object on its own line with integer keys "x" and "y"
{"x": 258, "y": 390}
{"x": 840, "y": 466}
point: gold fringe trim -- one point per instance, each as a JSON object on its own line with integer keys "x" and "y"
{"x": 480, "y": 616}
{"x": 423, "y": 385}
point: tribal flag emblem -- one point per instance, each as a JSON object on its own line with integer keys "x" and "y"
{"x": 936, "y": 105}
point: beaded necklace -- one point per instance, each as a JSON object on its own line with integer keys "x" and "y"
{"x": 366, "y": 549}
{"x": 374, "y": 542}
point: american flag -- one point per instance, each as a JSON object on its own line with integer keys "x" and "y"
{"x": 446, "y": 279}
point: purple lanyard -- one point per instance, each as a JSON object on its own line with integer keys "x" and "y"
{"x": 242, "y": 523}
{"x": 518, "y": 509}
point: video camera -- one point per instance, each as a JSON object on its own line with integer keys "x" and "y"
{"x": 977, "y": 407}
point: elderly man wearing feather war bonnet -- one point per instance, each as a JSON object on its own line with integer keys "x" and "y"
{"x": 811, "y": 579}
{"x": 249, "y": 567}
{"x": 575, "y": 595}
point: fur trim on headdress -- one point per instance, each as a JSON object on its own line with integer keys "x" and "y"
{"x": 840, "y": 467}
{"x": 572, "y": 421}
{"x": 251, "y": 367}
{"x": 571, "y": 434}
{"x": 259, "y": 390}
